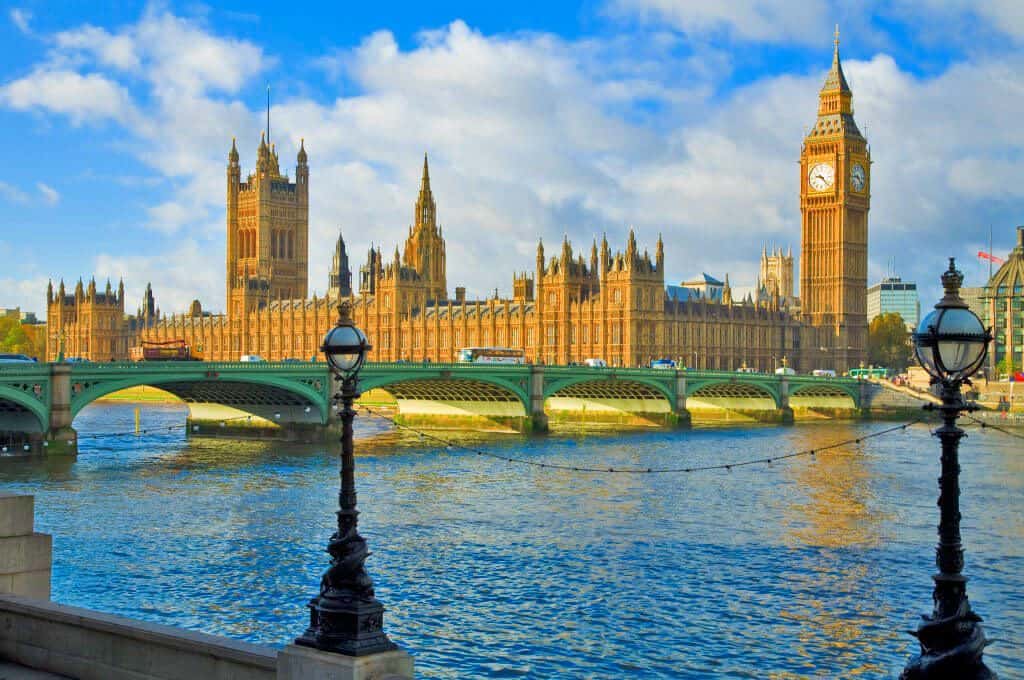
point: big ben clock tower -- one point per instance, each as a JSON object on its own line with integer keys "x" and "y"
{"x": 835, "y": 192}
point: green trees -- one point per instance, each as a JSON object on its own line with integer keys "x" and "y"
{"x": 889, "y": 342}
{"x": 15, "y": 339}
{"x": 1006, "y": 366}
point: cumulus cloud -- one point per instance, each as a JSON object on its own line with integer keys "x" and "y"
{"x": 82, "y": 98}
{"x": 50, "y": 195}
{"x": 178, "y": 275}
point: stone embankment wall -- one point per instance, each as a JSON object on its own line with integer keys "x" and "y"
{"x": 89, "y": 645}
{"x": 25, "y": 556}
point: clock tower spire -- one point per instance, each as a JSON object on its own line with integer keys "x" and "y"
{"x": 835, "y": 165}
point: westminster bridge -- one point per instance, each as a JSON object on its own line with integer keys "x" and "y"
{"x": 292, "y": 400}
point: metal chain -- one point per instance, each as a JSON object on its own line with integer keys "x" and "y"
{"x": 698, "y": 468}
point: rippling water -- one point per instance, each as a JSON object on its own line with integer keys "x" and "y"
{"x": 491, "y": 570}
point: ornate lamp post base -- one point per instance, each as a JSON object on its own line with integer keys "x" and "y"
{"x": 346, "y": 625}
{"x": 950, "y": 648}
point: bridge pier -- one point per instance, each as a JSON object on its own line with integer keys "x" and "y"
{"x": 785, "y": 411}
{"x": 683, "y": 418}
{"x": 538, "y": 417}
{"x": 60, "y": 438}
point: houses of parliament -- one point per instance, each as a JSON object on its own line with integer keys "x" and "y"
{"x": 569, "y": 306}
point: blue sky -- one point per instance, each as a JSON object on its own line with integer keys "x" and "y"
{"x": 541, "y": 120}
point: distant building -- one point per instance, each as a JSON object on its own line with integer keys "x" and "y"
{"x": 702, "y": 286}
{"x": 974, "y": 296}
{"x": 776, "y": 274}
{"x": 27, "y": 318}
{"x": 1004, "y": 306}
{"x": 893, "y": 294}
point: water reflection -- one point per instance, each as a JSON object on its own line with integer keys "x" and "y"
{"x": 490, "y": 569}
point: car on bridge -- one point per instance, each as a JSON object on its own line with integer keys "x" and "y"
{"x": 251, "y": 358}
{"x": 665, "y": 364}
{"x": 595, "y": 363}
{"x": 16, "y": 359}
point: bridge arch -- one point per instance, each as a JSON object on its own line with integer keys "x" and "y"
{"x": 21, "y": 412}
{"x": 439, "y": 400}
{"x": 732, "y": 394}
{"x": 825, "y": 395}
{"x": 262, "y": 396}
{"x": 594, "y": 397}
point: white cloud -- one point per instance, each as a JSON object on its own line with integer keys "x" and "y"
{"x": 191, "y": 269}
{"x": 22, "y": 19}
{"x": 12, "y": 194}
{"x": 118, "y": 51}
{"x": 83, "y": 98}
{"x": 50, "y": 195}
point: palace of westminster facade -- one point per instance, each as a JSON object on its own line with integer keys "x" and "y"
{"x": 612, "y": 305}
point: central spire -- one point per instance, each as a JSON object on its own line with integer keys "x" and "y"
{"x": 836, "y": 80}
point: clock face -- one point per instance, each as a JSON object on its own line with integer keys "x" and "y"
{"x": 821, "y": 176}
{"x": 857, "y": 177}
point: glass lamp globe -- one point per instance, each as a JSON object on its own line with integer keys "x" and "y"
{"x": 345, "y": 347}
{"x": 951, "y": 342}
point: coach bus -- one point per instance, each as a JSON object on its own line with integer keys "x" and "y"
{"x": 491, "y": 355}
{"x": 860, "y": 373}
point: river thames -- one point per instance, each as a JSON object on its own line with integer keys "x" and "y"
{"x": 809, "y": 568}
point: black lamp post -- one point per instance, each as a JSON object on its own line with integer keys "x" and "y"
{"x": 346, "y": 617}
{"x": 951, "y": 345}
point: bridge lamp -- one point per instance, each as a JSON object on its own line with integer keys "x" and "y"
{"x": 346, "y": 617}
{"x": 951, "y": 344}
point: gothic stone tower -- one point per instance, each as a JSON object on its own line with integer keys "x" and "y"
{"x": 268, "y": 231}
{"x": 424, "y": 248}
{"x": 835, "y": 167}
{"x": 340, "y": 277}
{"x": 777, "y": 272}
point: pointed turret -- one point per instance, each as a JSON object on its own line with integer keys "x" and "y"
{"x": 727, "y": 292}
{"x": 301, "y": 158}
{"x": 836, "y": 79}
{"x": 49, "y": 291}
{"x": 659, "y": 254}
{"x": 233, "y": 154}
{"x": 425, "y": 179}
{"x": 120, "y": 289}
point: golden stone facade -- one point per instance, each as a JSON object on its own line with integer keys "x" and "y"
{"x": 835, "y": 193}
{"x": 568, "y": 308}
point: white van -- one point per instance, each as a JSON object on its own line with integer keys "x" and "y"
{"x": 251, "y": 358}
{"x": 595, "y": 363}
{"x": 784, "y": 370}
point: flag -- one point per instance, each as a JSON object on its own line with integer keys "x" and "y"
{"x": 982, "y": 255}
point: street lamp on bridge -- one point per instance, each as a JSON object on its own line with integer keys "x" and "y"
{"x": 951, "y": 344}
{"x": 346, "y": 617}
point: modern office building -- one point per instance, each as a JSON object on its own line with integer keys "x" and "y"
{"x": 893, "y": 294}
